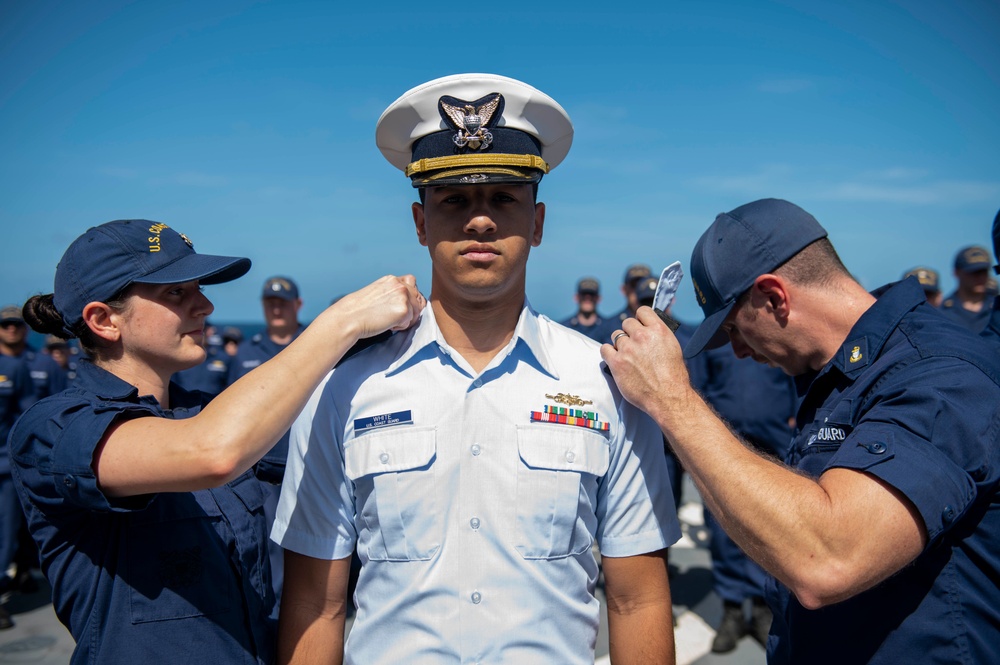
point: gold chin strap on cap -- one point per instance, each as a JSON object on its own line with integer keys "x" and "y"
{"x": 453, "y": 161}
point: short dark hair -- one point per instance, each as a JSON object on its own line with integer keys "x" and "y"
{"x": 816, "y": 263}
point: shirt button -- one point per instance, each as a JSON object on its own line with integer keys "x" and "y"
{"x": 384, "y": 458}
{"x": 570, "y": 456}
{"x": 949, "y": 514}
{"x": 478, "y": 383}
{"x": 476, "y": 449}
{"x": 474, "y": 522}
{"x": 476, "y": 597}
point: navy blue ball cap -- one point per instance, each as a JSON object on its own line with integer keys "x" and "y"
{"x": 109, "y": 257}
{"x": 973, "y": 258}
{"x": 737, "y": 248}
{"x": 927, "y": 277}
{"x": 280, "y": 287}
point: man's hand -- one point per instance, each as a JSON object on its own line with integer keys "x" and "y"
{"x": 647, "y": 363}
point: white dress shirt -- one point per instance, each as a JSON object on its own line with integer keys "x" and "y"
{"x": 474, "y": 520}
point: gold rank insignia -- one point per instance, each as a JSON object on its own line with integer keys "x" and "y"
{"x": 187, "y": 240}
{"x": 855, "y": 354}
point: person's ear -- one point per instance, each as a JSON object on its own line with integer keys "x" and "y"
{"x": 102, "y": 320}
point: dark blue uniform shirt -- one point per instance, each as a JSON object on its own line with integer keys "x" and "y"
{"x": 17, "y": 393}
{"x": 599, "y": 331}
{"x": 176, "y": 577}
{"x": 973, "y": 321}
{"x": 259, "y": 349}
{"x": 756, "y": 400}
{"x": 46, "y": 374}
{"x": 911, "y": 399}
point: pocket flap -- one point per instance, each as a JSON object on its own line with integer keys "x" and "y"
{"x": 391, "y": 450}
{"x": 563, "y": 449}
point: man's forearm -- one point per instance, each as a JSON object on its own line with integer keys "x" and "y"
{"x": 642, "y": 636}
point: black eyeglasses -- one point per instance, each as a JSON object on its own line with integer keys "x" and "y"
{"x": 11, "y": 324}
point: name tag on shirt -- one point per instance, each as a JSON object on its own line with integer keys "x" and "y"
{"x": 384, "y": 420}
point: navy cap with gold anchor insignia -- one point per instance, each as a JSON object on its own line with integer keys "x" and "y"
{"x": 469, "y": 129}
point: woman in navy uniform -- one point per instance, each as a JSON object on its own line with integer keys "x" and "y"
{"x": 140, "y": 497}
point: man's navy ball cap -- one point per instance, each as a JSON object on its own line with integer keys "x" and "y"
{"x": 738, "y": 247}
{"x": 109, "y": 257}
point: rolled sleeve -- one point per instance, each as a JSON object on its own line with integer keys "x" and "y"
{"x": 54, "y": 449}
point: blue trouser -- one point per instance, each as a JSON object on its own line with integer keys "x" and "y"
{"x": 10, "y": 521}
{"x": 274, "y": 551}
{"x": 735, "y": 576}
{"x": 675, "y": 472}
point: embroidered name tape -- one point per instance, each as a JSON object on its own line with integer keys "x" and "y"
{"x": 564, "y": 416}
{"x": 384, "y": 420}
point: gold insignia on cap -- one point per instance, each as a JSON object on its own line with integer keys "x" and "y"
{"x": 855, "y": 354}
{"x": 471, "y": 121}
{"x": 569, "y": 400}
{"x": 187, "y": 240}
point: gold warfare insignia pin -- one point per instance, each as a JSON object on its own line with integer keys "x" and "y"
{"x": 187, "y": 240}
{"x": 569, "y": 400}
{"x": 855, "y": 354}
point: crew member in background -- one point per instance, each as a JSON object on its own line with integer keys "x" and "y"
{"x": 47, "y": 376}
{"x": 17, "y": 393}
{"x": 970, "y": 303}
{"x": 633, "y": 274}
{"x": 587, "y": 320}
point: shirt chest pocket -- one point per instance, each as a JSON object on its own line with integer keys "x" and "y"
{"x": 179, "y": 564}
{"x": 395, "y": 493}
{"x": 557, "y": 479}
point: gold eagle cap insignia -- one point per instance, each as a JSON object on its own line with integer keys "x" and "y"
{"x": 569, "y": 400}
{"x": 186, "y": 240}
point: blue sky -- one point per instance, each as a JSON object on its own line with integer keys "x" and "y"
{"x": 249, "y": 126}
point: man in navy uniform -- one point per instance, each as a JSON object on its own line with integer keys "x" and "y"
{"x": 281, "y": 304}
{"x": 47, "y": 376}
{"x": 633, "y": 274}
{"x": 883, "y": 532}
{"x": 587, "y": 320}
{"x": 475, "y": 460}
{"x": 969, "y": 305}
{"x": 17, "y": 393}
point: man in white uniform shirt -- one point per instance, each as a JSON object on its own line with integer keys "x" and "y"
{"x": 473, "y": 460}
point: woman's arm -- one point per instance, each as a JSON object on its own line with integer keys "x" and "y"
{"x": 147, "y": 455}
